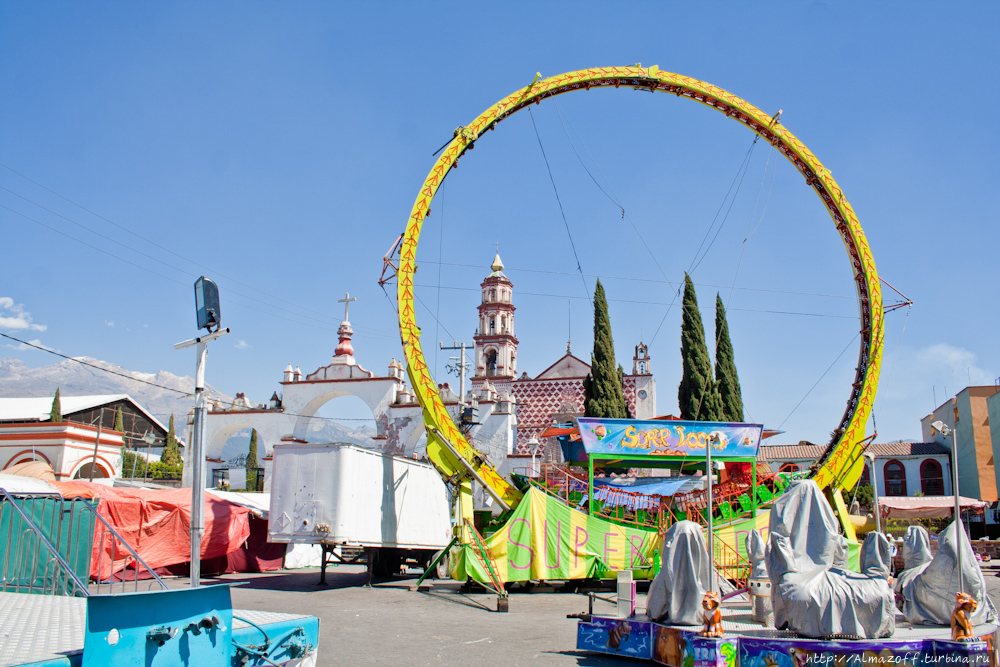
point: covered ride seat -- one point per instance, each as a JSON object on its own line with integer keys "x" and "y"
{"x": 928, "y": 585}
{"x": 812, "y": 591}
{"x": 676, "y": 593}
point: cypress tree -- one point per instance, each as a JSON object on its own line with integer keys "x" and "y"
{"x": 171, "y": 455}
{"x": 725, "y": 368}
{"x": 55, "y": 414}
{"x": 119, "y": 420}
{"x": 602, "y": 388}
{"x": 252, "y": 462}
{"x": 697, "y": 395}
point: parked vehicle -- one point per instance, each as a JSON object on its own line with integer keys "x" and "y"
{"x": 342, "y": 497}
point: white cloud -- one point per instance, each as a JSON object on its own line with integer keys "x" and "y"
{"x": 918, "y": 381}
{"x": 109, "y": 323}
{"x": 241, "y": 344}
{"x": 14, "y": 316}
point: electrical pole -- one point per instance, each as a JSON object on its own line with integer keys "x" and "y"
{"x": 97, "y": 443}
{"x": 459, "y": 368}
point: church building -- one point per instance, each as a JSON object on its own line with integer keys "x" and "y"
{"x": 555, "y": 394}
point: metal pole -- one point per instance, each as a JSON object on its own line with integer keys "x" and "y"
{"x": 878, "y": 517}
{"x": 198, "y": 459}
{"x": 711, "y": 537}
{"x": 97, "y": 443}
{"x": 959, "y": 529}
{"x": 461, "y": 381}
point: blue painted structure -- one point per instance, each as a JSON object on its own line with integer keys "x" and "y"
{"x": 682, "y": 647}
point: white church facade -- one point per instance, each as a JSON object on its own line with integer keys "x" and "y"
{"x": 511, "y": 410}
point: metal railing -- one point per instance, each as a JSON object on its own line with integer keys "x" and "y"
{"x": 50, "y": 543}
{"x": 31, "y": 563}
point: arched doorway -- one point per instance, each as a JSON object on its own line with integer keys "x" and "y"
{"x": 895, "y": 478}
{"x": 84, "y": 471}
{"x": 931, "y": 478}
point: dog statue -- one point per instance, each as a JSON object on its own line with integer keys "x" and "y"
{"x": 711, "y": 614}
{"x": 961, "y": 618}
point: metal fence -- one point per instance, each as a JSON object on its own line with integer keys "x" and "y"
{"x": 53, "y": 545}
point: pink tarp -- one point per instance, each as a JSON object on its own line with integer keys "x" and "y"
{"x": 157, "y": 524}
{"x": 924, "y": 507}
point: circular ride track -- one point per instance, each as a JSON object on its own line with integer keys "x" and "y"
{"x": 842, "y": 462}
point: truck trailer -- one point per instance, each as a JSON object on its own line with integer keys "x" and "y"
{"x": 345, "y": 497}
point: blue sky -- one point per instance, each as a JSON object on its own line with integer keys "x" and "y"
{"x": 278, "y": 147}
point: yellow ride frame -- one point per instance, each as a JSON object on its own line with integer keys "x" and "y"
{"x": 449, "y": 451}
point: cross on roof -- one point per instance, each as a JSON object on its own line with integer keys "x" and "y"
{"x": 347, "y": 302}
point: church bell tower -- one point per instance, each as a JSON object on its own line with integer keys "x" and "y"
{"x": 496, "y": 344}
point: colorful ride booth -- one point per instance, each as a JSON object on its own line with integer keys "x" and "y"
{"x": 776, "y": 585}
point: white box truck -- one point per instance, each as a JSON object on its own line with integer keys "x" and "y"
{"x": 342, "y": 495}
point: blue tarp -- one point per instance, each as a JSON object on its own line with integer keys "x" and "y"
{"x": 646, "y": 486}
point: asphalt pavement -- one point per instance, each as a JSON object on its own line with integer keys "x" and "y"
{"x": 388, "y": 624}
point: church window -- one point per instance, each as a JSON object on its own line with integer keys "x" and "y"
{"x": 491, "y": 363}
{"x": 493, "y": 295}
{"x": 493, "y": 325}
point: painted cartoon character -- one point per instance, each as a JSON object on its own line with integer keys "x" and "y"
{"x": 670, "y": 646}
{"x": 961, "y": 618}
{"x": 800, "y": 656}
{"x": 711, "y": 614}
{"x": 618, "y": 634}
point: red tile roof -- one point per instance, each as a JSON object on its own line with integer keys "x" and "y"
{"x": 808, "y": 451}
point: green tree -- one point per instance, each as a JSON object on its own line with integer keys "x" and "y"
{"x": 602, "y": 388}
{"x": 697, "y": 394}
{"x": 119, "y": 420}
{"x": 171, "y": 455}
{"x": 252, "y": 481}
{"x": 726, "y": 377}
{"x": 55, "y": 415}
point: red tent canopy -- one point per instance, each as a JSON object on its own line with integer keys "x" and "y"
{"x": 157, "y": 524}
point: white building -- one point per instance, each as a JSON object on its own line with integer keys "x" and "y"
{"x": 902, "y": 468}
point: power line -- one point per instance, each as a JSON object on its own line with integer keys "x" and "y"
{"x": 105, "y": 370}
{"x": 562, "y": 212}
{"x": 149, "y": 241}
{"x": 515, "y": 269}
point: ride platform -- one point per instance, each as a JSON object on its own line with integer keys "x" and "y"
{"x": 747, "y": 643}
{"x": 54, "y": 630}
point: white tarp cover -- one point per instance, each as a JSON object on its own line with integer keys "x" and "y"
{"x": 917, "y": 556}
{"x": 18, "y": 484}
{"x": 756, "y": 550}
{"x": 675, "y": 595}
{"x": 812, "y": 592}
{"x": 929, "y": 595}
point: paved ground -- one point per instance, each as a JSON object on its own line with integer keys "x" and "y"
{"x": 389, "y": 625}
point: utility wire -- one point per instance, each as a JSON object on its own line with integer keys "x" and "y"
{"x": 648, "y": 280}
{"x": 562, "y": 212}
{"x": 149, "y": 241}
{"x": 152, "y": 257}
{"x": 104, "y": 370}
{"x": 613, "y": 197}
{"x": 818, "y": 381}
{"x": 157, "y": 273}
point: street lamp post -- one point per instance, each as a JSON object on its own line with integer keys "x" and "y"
{"x": 209, "y": 313}
{"x": 878, "y": 517}
{"x": 533, "y": 445}
{"x": 713, "y": 439}
{"x": 944, "y": 429}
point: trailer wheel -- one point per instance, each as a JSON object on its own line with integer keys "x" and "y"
{"x": 443, "y": 569}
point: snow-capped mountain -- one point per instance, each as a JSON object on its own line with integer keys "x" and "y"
{"x": 75, "y": 379}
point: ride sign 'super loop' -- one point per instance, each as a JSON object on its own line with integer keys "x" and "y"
{"x": 842, "y": 463}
